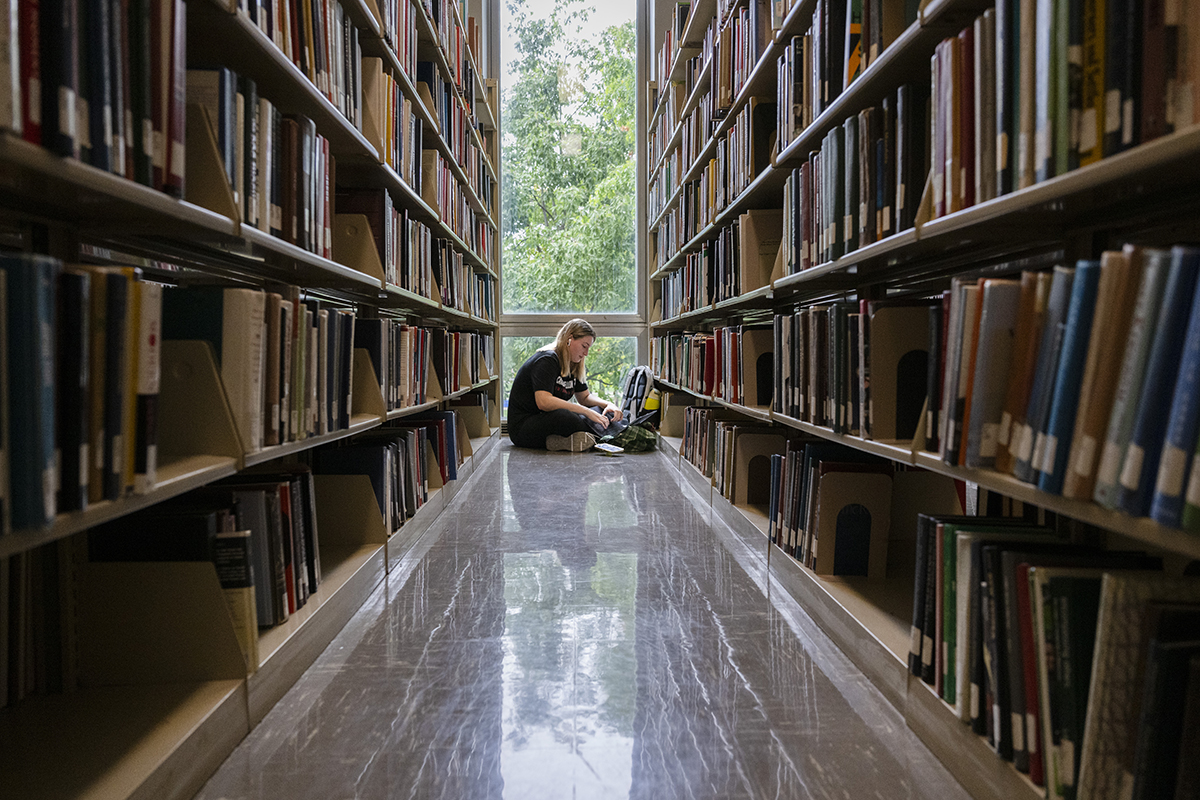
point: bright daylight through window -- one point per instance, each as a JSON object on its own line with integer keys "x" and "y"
{"x": 568, "y": 202}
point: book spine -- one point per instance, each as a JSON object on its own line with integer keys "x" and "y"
{"x": 1065, "y": 398}
{"x": 1145, "y": 444}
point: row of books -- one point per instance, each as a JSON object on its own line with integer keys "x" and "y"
{"x": 739, "y": 157}
{"x": 455, "y": 122}
{"x": 417, "y": 261}
{"x": 1082, "y": 380}
{"x": 439, "y": 191}
{"x": 259, "y": 529}
{"x": 843, "y": 40}
{"x": 100, "y": 83}
{"x": 826, "y": 505}
{"x": 285, "y": 363}
{"x": 398, "y": 26}
{"x": 859, "y": 369}
{"x": 740, "y": 259}
{"x": 729, "y": 51}
{"x": 321, "y": 40}
{"x": 390, "y": 122}
{"x": 463, "y": 288}
{"x": 81, "y": 381}
{"x": 1036, "y": 88}
{"x": 281, "y": 171}
{"x": 401, "y": 353}
{"x": 733, "y": 363}
{"x": 672, "y": 40}
{"x": 863, "y": 185}
{"x": 1075, "y": 663}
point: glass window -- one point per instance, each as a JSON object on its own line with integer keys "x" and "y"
{"x": 607, "y": 362}
{"x": 568, "y": 178}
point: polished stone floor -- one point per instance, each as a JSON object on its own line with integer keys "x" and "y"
{"x": 575, "y": 626}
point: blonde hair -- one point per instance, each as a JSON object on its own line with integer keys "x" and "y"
{"x": 574, "y": 329}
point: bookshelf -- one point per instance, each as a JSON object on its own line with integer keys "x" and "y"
{"x": 1145, "y": 195}
{"x": 161, "y": 693}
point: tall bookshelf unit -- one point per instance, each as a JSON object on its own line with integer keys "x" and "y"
{"x": 1145, "y": 195}
{"x": 162, "y": 692}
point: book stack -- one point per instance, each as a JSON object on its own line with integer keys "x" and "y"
{"x": 106, "y": 88}
{"x": 321, "y": 40}
{"x": 844, "y": 38}
{"x": 857, "y": 369}
{"x": 82, "y": 376}
{"x": 285, "y": 365}
{"x": 1040, "y": 644}
{"x": 830, "y": 508}
{"x": 862, "y": 186}
{"x": 1034, "y": 89}
{"x": 1080, "y": 380}
{"x": 400, "y": 357}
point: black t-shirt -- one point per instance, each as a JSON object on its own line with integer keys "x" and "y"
{"x": 541, "y": 373}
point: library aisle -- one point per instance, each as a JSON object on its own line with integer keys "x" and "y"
{"x": 573, "y": 626}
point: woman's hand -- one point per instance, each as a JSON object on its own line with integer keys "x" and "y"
{"x": 595, "y": 416}
{"x": 613, "y": 412}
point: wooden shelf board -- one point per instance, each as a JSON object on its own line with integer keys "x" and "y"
{"x": 317, "y": 270}
{"x": 672, "y": 445}
{"x": 40, "y": 183}
{"x": 404, "y": 412}
{"x": 174, "y": 478}
{"x": 968, "y": 757}
{"x": 1143, "y": 529}
{"x": 358, "y": 424}
{"x": 349, "y": 574}
{"x": 158, "y": 741}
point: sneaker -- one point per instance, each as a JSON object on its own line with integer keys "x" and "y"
{"x": 577, "y": 442}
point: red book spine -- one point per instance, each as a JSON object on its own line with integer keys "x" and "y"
{"x": 31, "y": 71}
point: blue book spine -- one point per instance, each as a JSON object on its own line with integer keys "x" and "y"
{"x": 1065, "y": 402}
{"x": 1183, "y": 423}
{"x": 33, "y": 480}
{"x": 1038, "y": 409}
{"x": 1141, "y": 458}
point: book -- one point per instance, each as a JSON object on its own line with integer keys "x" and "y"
{"x": 1114, "y": 677}
{"x": 1041, "y": 391}
{"x": 58, "y": 51}
{"x": 1120, "y": 275}
{"x": 32, "y": 287}
{"x": 1031, "y": 312}
{"x": 1182, "y": 427}
{"x": 1156, "y": 264}
{"x": 73, "y": 387}
{"x": 958, "y": 368}
{"x": 1146, "y": 440}
{"x": 232, "y": 321}
{"x": 997, "y": 324}
{"x": 1053, "y": 444}
{"x": 143, "y": 436}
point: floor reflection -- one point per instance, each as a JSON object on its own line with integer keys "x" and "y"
{"x": 572, "y": 627}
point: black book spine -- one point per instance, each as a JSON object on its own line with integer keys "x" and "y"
{"x": 73, "y": 386}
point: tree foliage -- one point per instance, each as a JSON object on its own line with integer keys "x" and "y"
{"x": 568, "y": 180}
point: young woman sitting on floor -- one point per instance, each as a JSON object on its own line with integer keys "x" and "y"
{"x": 540, "y": 411}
